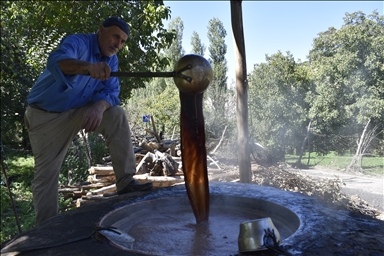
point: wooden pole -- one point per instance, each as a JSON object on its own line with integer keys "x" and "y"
{"x": 241, "y": 92}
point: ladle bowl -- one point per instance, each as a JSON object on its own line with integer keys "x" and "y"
{"x": 198, "y": 69}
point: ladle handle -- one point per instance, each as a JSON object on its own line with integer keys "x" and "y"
{"x": 139, "y": 74}
{"x": 143, "y": 74}
{"x": 148, "y": 74}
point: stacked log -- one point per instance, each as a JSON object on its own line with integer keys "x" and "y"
{"x": 79, "y": 191}
{"x": 101, "y": 175}
{"x": 159, "y": 168}
{"x": 103, "y": 186}
{"x": 104, "y": 176}
{"x": 158, "y": 164}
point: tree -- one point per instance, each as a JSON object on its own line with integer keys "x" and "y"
{"x": 175, "y": 51}
{"x": 278, "y": 111}
{"x": 349, "y": 76}
{"x": 197, "y": 46}
{"x": 216, "y": 98}
{"x": 362, "y": 146}
{"x": 217, "y": 50}
{"x": 34, "y": 28}
{"x": 16, "y": 77}
{"x": 349, "y": 71}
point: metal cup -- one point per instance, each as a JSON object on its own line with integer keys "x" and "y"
{"x": 251, "y": 236}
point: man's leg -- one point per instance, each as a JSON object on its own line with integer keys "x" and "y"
{"x": 115, "y": 128}
{"x": 50, "y": 135}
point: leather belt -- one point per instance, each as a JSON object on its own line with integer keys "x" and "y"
{"x": 33, "y": 105}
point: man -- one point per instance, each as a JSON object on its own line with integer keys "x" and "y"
{"x": 64, "y": 100}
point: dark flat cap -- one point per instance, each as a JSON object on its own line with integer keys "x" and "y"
{"x": 116, "y": 21}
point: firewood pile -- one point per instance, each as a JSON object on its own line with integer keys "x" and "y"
{"x": 157, "y": 161}
{"x": 160, "y": 168}
{"x": 154, "y": 166}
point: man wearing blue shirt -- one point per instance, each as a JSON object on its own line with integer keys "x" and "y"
{"x": 76, "y": 92}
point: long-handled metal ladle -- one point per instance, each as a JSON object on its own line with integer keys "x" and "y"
{"x": 194, "y": 154}
{"x": 153, "y": 74}
{"x": 192, "y": 75}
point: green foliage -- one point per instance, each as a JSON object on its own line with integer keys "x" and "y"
{"x": 17, "y": 76}
{"x": 22, "y": 198}
{"x": 75, "y": 165}
{"x": 160, "y": 97}
{"x": 338, "y": 90}
{"x": 19, "y": 170}
{"x": 175, "y": 51}
{"x": 98, "y": 148}
{"x": 216, "y": 36}
{"x": 166, "y": 109}
{"x": 220, "y": 117}
{"x": 197, "y": 46}
{"x": 349, "y": 75}
{"x": 216, "y": 94}
{"x": 163, "y": 105}
{"x": 217, "y": 50}
{"x": 278, "y": 112}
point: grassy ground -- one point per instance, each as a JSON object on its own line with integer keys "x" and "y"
{"x": 371, "y": 165}
{"x": 19, "y": 171}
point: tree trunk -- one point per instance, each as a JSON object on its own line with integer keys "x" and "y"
{"x": 244, "y": 157}
{"x": 303, "y": 144}
{"x": 357, "y": 157}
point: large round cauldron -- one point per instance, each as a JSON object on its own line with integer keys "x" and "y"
{"x": 166, "y": 226}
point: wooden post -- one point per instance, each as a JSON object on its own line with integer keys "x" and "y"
{"x": 241, "y": 92}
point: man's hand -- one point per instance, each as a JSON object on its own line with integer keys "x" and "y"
{"x": 99, "y": 70}
{"x": 93, "y": 116}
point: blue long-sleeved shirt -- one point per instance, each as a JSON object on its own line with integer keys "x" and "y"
{"x": 57, "y": 92}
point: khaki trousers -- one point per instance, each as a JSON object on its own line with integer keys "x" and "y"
{"x": 51, "y": 134}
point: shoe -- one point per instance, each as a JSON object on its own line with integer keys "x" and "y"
{"x": 134, "y": 186}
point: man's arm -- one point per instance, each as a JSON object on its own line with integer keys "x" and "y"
{"x": 99, "y": 70}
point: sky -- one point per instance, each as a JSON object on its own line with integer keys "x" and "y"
{"x": 269, "y": 26}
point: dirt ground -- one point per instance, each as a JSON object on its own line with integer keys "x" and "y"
{"x": 368, "y": 188}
